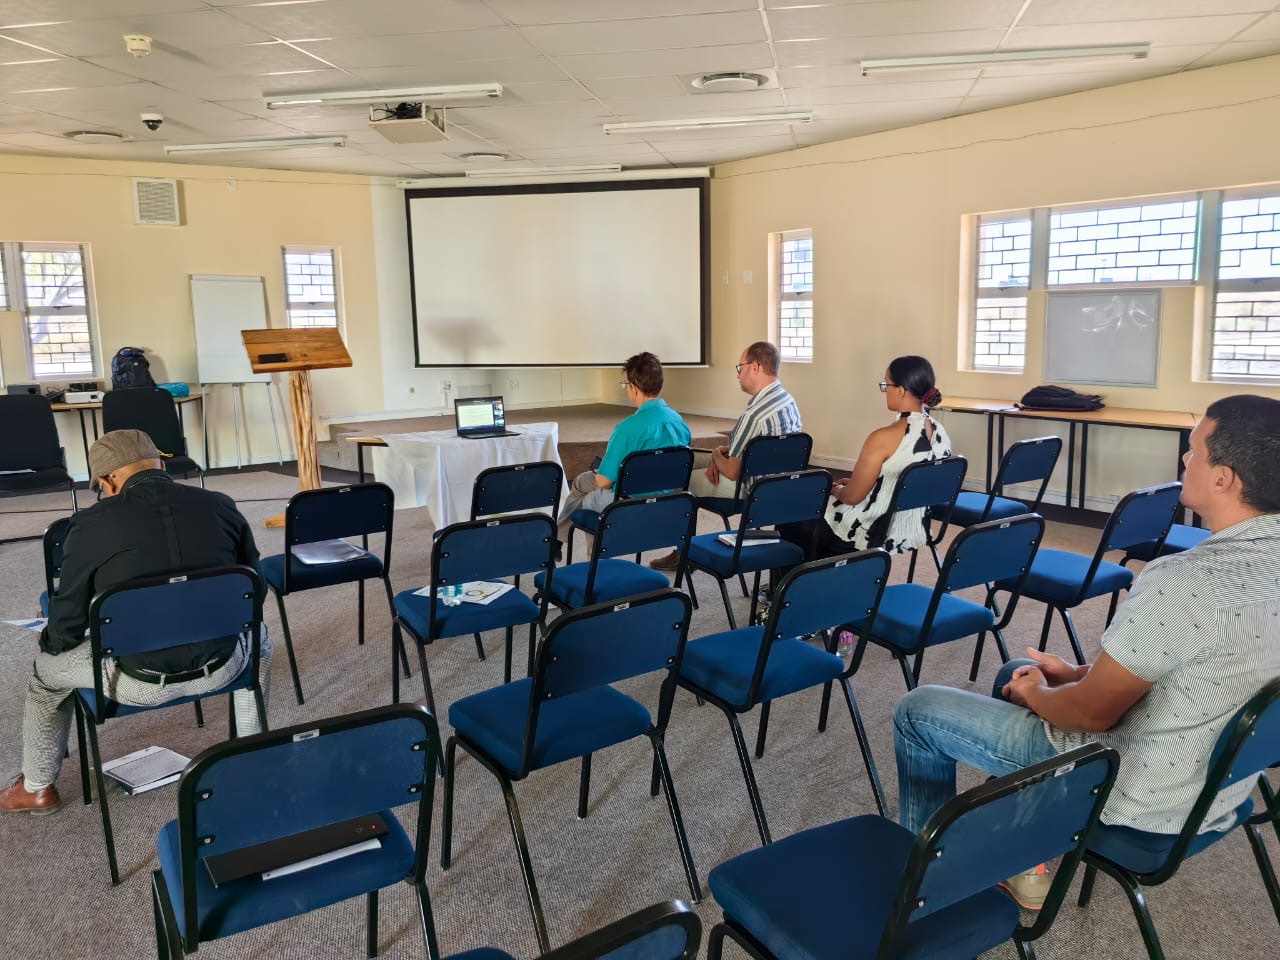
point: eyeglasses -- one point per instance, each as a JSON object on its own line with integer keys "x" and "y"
{"x": 737, "y": 367}
{"x": 885, "y": 385}
{"x": 624, "y": 384}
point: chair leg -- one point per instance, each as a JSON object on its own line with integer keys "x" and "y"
{"x": 911, "y": 567}
{"x": 288, "y": 645}
{"x": 506, "y": 656}
{"x": 371, "y": 925}
{"x": 427, "y": 692}
{"x": 479, "y": 647}
{"x": 261, "y": 704}
{"x": 1071, "y": 635}
{"x": 677, "y": 821}
{"x": 199, "y": 714}
{"x": 391, "y": 608}
{"x": 763, "y": 730}
{"x": 749, "y": 774}
{"x": 101, "y": 782}
{"x": 397, "y": 647}
{"x": 1140, "y": 912}
{"x": 584, "y": 787}
{"x": 428, "y": 922}
{"x": 915, "y": 668}
{"x": 743, "y": 582}
{"x": 825, "y": 709}
{"x": 728, "y": 610}
{"x": 533, "y": 646}
{"x": 169, "y": 945}
{"x": 1111, "y": 610}
{"x": 1269, "y": 798}
{"x": 977, "y": 656}
{"x": 907, "y": 675}
{"x": 568, "y": 547}
{"x": 1264, "y": 866}
{"x": 446, "y": 815}
{"x": 860, "y": 731}
{"x": 231, "y": 716}
{"x": 526, "y": 864}
{"x": 1044, "y": 629}
{"x": 162, "y": 943}
{"x": 84, "y": 756}
{"x": 715, "y": 942}
{"x": 360, "y": 619}
{"x": 1086, "y": 884}
{"x": 1001, "y": 645}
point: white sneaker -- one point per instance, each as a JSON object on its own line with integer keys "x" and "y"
{"x": 1030, "y": 889}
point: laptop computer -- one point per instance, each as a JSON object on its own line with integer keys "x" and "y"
{"x": 480, "y": 417}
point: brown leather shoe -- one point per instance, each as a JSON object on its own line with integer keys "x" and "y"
{"x": 18, "y": 799}
{"x": 670, "y": 562}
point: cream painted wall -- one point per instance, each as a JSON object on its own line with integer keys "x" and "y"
{"x": 886, "y": 214}
{"x": 236, "y": 221}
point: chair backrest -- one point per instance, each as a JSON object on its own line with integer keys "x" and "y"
{"x": 253, "y": 789}
{"x": 1000, "y": 829}
{"x": 1026, "y": 461}
{"x": 1247, "y": 746}
{"x": 518, "y": 487}
{"x": 664, "y": 931}
{"x": 928, "y": 483}
{"x": 603, "y": 644}
{"x": 1141, "y": 516}
{"x": 786, "y": 498}
{"x": 762, "y": 456}
{"x": 28, "y": 434}
{"x": 55, "y": 537}
{"x": 639, "y": 524}
{"x": 331, "y": 513}
{"x": 148, "y": 409}
{"x": 645, "y": 472}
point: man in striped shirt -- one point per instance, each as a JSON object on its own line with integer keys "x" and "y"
{"x": 1198, "y": 636}
{"x": 770, "y": 412}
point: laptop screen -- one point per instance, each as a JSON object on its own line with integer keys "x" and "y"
{"x": 479, "y": 413}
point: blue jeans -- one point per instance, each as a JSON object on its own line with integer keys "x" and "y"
{"x": 934, "y": 728}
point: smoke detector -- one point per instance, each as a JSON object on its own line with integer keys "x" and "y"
{"x": 137, "y": 44}
{"x": 733, "y": 82}
{"x": 94, "y": 136}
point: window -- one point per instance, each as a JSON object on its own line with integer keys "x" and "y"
{"x": 4, "y": 285}
{"x": 1000, "y": 302}
{"x": 1246, "y": 323}
{"x": 795, "y": 295}
{"x": 46, "y": 283}
{"x": 311, "y": 287}
{"x": 1137, "y": 243}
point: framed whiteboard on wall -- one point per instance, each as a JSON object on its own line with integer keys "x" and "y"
{"x": 1102, "y": 337}
{"x": 222, "y": 306}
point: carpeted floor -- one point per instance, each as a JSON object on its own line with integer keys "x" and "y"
{"x": 56, "y": 899}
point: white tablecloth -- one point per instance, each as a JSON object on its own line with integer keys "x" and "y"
{"x": 437, "y": 469}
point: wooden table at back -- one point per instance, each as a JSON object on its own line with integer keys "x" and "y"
{"x": 997, "y": 411}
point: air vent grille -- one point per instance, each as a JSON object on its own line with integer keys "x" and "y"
{"x": 155, "y": 202}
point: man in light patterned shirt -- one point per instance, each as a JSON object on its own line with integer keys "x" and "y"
{"x": 1198, "y": 636}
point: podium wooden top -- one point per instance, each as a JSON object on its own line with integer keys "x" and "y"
{"x": 281, "y": 349}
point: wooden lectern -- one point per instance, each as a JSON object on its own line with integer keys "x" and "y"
{"x": 298, "y": 352}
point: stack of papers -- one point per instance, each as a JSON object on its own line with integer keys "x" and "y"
{"x": 326, "y": 551}
{"x": 483, "y": 592}
{"x": 146, "y": 769}
{"x": 751, "y": 539}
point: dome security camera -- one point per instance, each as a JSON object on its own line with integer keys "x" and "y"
{"x": 152, "y": 119}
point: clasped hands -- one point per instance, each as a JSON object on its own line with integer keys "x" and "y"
{"x": 1050, "y": 671}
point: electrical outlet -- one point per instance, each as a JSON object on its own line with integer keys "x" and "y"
{"x": 513, "y": 384}
{"x": 446, "y": 384}
{"x": 411, "y": 389}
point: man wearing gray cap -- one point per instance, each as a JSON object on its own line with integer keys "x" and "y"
{"x": 146, "y": 525}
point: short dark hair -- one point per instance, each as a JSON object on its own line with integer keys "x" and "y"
{"x": 644, "y": 372}
{"x": 1246, "y": 438}
{"x": 915, "y": 375}
{"x": 766, "y": 354}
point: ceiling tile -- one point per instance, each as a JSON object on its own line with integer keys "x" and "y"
{"x": 871, "y": 91}
{"x": 55, "y": 74}
{"x": 850, "y": 75}
{"x": 497, "y": 43}
{"x": 1231, "y": 52}
{"x": 529, "y": 12}
{"x": 751, "y": 101}
{"x": 1184, "y": 30}
{"x": 891, "y": 17}
{"x": 848, "y": 50}
{"x": 608, "y": 88}
{"x": 171, "y": 32}
{"x": 656, "y": 33}
{"x": 364, "y": 18}
{"x": 39, "y": 11}
{"x": 255, "y": 59}
{"x": 529, "y": 70}
{"x": 1266, "y": 28}
{"x": 1101, "y": 11}
{"x": 560, "y": 91}
{"x": 743, "y": 56}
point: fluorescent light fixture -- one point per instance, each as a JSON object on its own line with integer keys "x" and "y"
{"x": 227, "y": 146}
{"x": 1125, "y": 51}
{"x": 508, "y": 173}
{"x": 337, "y": 98}
{"x": 708, "y": 123}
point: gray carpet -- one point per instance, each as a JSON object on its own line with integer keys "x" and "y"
{"x": 57, "y": 901}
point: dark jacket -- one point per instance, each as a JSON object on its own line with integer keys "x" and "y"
{"x": 151, "y": 528}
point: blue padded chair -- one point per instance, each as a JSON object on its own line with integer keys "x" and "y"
{"x": 929, "y": 485}
{"x": 1027, "y": 461}
{"x": 912, "y": 617}
{"x": 867, "y": 888}
{"x": 642, "y": 473}
{"x": 332, "y": 513}
{"x": 1062, "y": 580}
{"x": 1179, "y": 539}
{"x": 313, "y": 775}
{"x": 516, "y": 488}
{"x": 739, "y": 669}
{"x": 774, "y": 499}
{"x": 155, "y": 413}
{"x": 1247, "y": 746}
{"x": 626, "y": 527}
{"x": 31, "y": 457}
{"x": 155, "y": 614}
{"x": 569, "y": 709}
{"x": 664, "y": 931}
{"x": 55, "y": 535}
{"x": 475, "y": 550}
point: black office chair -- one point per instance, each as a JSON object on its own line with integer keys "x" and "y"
{"x": 154, "y": 412}
{"x": 31, "y": 458}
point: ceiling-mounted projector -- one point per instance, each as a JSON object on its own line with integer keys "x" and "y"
{"x": 409, "y": 123}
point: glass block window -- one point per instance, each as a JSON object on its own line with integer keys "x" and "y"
{"x": 1246, "y": 322}
{"x": 795, "y": 295}
{"x": 4, "y": 282}
{"x": 1002, "y": 275}
{"x": 311, "y": 287}
{"x": 56, "y": 308}
{"x": 1138, "y": 243}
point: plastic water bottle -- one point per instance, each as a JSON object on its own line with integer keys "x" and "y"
{"x": 844, "y": 647}
{"x": 451, "y": 594}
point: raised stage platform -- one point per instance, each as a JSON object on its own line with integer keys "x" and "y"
{"x": 584, "y": 431}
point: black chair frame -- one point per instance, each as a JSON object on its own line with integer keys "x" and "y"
{"x": 611, "y": 939}
{"x": 161, "y": 421}
{"x": 895, "y": 504}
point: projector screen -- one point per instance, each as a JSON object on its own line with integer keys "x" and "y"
{"x": 559, "y": 275}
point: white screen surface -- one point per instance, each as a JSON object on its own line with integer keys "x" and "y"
{"x": 588, "y": 277}
{"x": 472, "y": 416}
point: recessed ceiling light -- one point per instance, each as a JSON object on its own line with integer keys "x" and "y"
{"x": 491, "y": 155}
{"x": 735, "y": 82}
{"x": 94, "y": 136}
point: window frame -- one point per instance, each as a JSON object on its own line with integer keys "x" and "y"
{"x": 1011, "y": 292}
{"x": 1216, "y": 285}
{"x": 778, "y": 296}
{"x": 13, "y": 265}
{"x": 290, "y": 305}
